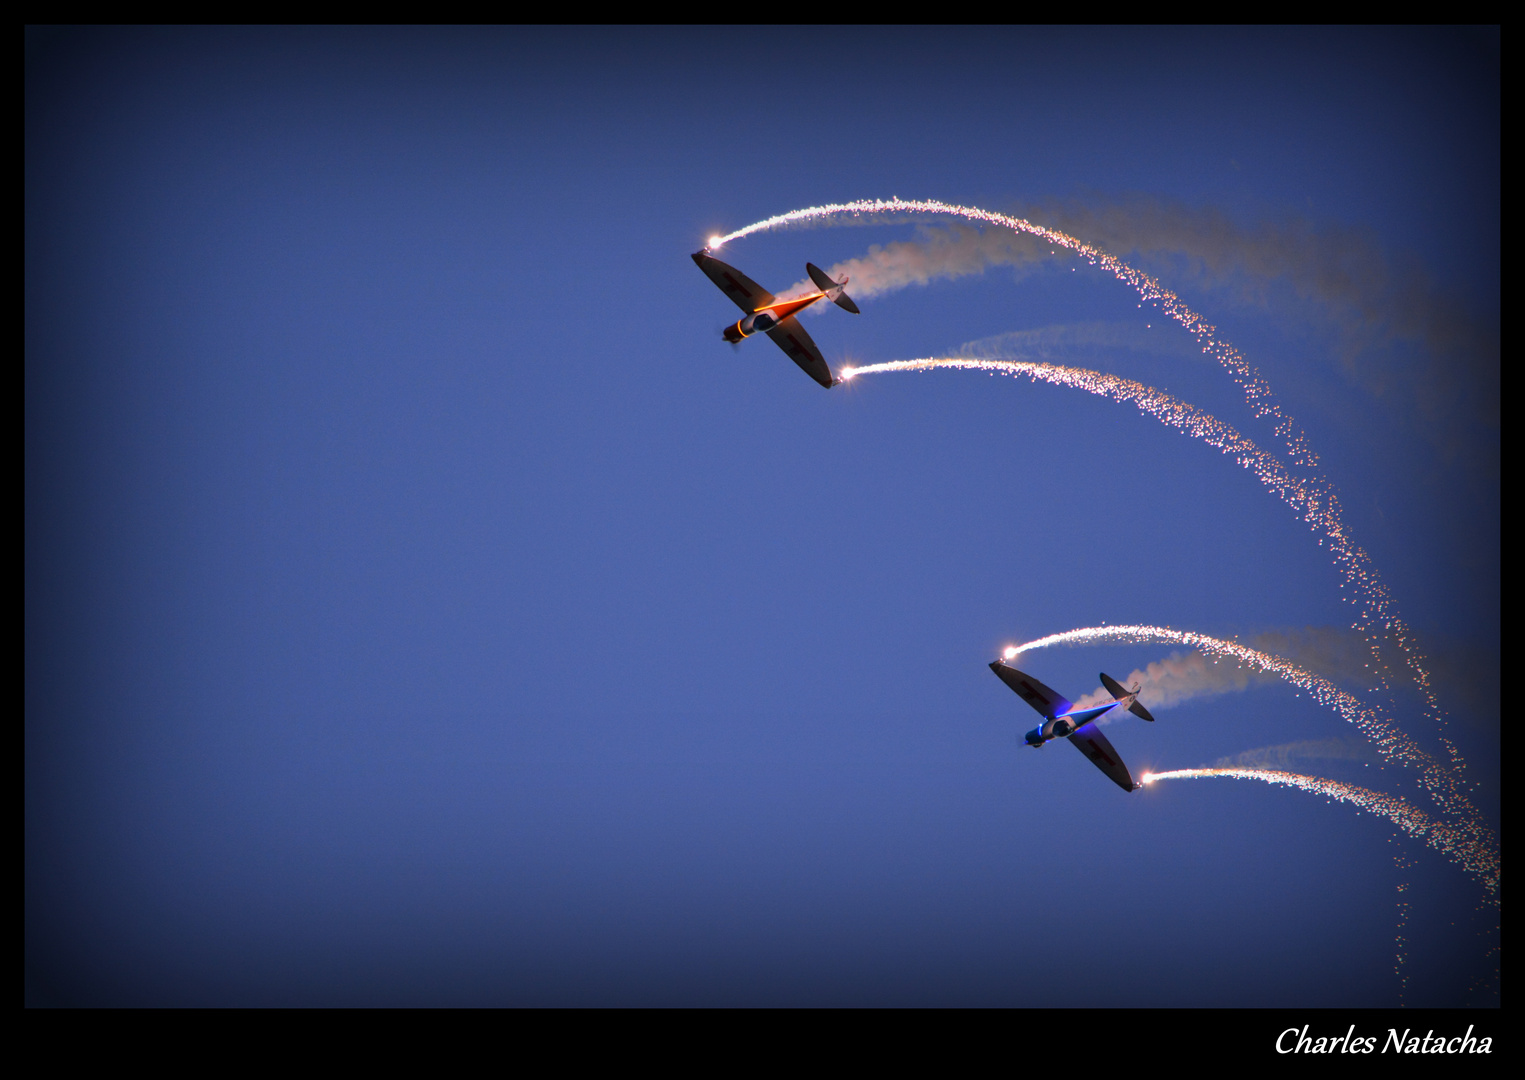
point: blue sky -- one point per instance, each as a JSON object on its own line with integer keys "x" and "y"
{"x": 425, "y": 606}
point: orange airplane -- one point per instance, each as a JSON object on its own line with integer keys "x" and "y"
{"x": 763, "y": 311}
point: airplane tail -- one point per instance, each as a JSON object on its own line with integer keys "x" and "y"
{"x": 832, "y": 289}
{"x": 1117, "y": 690}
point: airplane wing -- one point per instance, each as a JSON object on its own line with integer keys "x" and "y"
{"x": 747, "y": 294}
{"x": 790, "y": 336}
{"x": 1030, "y": 690}
{"x": 1093, "y": 744}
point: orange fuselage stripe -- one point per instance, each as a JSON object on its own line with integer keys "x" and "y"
{"x": 789, "y": 307}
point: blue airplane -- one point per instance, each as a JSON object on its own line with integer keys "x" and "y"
{"x": 1061, "y": 720}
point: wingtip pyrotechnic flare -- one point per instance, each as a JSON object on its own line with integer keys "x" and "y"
{"x": 713, "y": 242}
{"x": 1009, "y": 653}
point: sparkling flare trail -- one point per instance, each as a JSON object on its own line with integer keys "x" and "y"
{"x": 1469, "y": 842}
{"x": 1440, "y": 836}
{"x": 1376, "y": 617}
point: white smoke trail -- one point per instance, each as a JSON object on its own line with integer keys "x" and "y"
{"x": 1278, "y": 757}
{"x": 936, "y": 254}
{"x": 1186, "y": 677}
{"x": 1473, "y": 843}
{"x": 1190, "y": 676}
{"x": 1376, "y": 614}
{"x": 1179, "y": 677}
{"x": 1437, "y": 834}
{"x": 1334, "y": 652}
{"x": 1371, "y": 300}
{"x": 1065, "y": 341}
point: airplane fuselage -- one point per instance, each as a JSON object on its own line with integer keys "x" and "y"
{"x": 1057, "y": 728}
{"x": 765, "y": 319}
{"x": 1066, "y": 724}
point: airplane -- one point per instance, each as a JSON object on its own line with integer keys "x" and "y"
{"x": 1062, "y": 720}
{"x": 763, "y": 311}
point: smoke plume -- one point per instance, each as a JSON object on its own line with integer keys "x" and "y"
{"x": 1288, "y": 754}
{"x": 1396, "y": 335}
{"x": 1067, "y": 342}
{"x": 951, "y": 252}
{"x": 1183, "y": 677}
{"x": 1339, "y": 655}
{"x": 1372, "y": 299}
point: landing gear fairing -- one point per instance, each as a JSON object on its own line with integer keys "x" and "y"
{"x": 1061, "y": 720}
{"x": 763, "y": 312}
